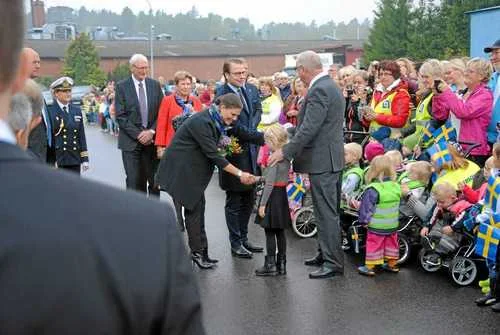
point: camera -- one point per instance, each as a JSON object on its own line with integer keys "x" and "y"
{"x": 437, "y": 82}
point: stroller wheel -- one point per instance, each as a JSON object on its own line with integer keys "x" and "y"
{"x": 429, "y": 260}
{"x": 404, "y": 249}
{"x": 304, "y": 223}
{"x": 463, "y": 270}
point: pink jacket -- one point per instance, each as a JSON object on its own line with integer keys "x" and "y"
{"x": 474, "y": 114}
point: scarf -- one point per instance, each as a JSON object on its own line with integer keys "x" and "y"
{"x": 216, "y": 118}
{"x": 185, "y": 106}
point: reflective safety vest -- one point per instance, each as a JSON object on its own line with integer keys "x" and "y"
{"x": 267, "y": 104}
{"x": 358, "y": 172}
{"x": 414, "y": 184}
{"x": 422, "y": 115}
{"x": 454, "y": 177}
{"x": 386, "y": 216}
{"x": 384, "y": 107}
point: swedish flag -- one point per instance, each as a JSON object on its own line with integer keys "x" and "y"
{"x": 296, "y": 190}
{"x": 427, "y": 138}
{"x": 445, "y": 133}
{"x": 487, "y": 240}
{"x": 492, "y": 193}
{"x": 439, "y": 153}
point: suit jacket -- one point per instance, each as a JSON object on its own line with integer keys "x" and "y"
{"x": 318, "y": 143}
{"x": 188, "y": 163}
{"x": 68, "y": 133}
{"x": 248, "y": 119}
{"x": 70, "y": 267}
{"x": 37, "y": 140}
{"x": 128, "y": 113}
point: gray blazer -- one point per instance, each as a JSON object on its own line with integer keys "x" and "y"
{"x": 318, "y": 143}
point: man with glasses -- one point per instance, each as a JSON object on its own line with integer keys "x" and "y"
{"x": 494, "y": 85}
{"x": 239, "y": 197}
{"x": 68, "y": 131}
{"x": 137, "y": 101}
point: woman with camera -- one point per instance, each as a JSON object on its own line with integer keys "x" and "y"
{"x": 390, "y": 104}
{"x": 473, "y": 110}
{"x": 357, "y": 98}
{"x": 185, "y": 170}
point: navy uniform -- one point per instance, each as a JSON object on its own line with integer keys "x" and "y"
{"x": 68, "y": 130}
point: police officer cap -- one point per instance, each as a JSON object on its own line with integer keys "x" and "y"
{"x": 495, "y": 45}
{"x": 62, "y": 83}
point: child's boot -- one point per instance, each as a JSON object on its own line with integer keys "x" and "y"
{"x": 281, "y": 264}
{"x": 366, "y": 270}
{"x": 269, "y": 268}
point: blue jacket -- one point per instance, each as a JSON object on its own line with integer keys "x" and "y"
{"x": 69, "y": 135}
{"x": 249, "y": 119}
{"x": 495, "y": 113}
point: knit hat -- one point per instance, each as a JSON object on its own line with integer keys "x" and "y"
{"x": 372, "y": 150}
{"x": 381, "y": 133}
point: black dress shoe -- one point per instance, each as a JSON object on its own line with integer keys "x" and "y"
{"x": 323, "y": 272}
{"x": 496, "y": 307}
{"x": 252, "y": 247}
{"x": 241, "y": 252}
{"x": 315, "y": 261}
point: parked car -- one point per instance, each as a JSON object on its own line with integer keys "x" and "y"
{"x": 76, "y": 97}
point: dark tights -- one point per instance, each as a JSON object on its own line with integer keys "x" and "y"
{"x": 273, "y": 236}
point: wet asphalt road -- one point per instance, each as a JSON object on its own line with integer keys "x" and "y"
{"x": 236, "y": 302}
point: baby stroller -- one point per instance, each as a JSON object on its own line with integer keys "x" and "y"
{"x": 303, "y": 220}
{"x": 461, "y": 263}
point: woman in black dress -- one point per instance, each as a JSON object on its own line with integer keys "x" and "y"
{"x": 188, "y": 164}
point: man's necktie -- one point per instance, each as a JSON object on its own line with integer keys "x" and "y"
{"x": 65, "y": 110}
{"x": 243, "y": 100}
{"x": 143, "y": 106}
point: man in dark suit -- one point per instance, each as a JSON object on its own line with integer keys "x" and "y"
{"x": 239, "y": 197}
{"x": 84, "y": 258}
{"x": 317, "y": 149}
{"x": 137, "y": 101}
{"x": 40, "y": 138}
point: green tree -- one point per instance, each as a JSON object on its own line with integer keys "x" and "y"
{"x": 120, "y": 72}
{"x": 82, "y": 62}
{"x": 389, "y": 36}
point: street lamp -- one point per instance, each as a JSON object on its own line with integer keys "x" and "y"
{"x": 151, "y": 38}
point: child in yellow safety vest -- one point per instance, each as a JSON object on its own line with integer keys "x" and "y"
{"x": 415, "y": 197}
{"x": 352, "y": 178}
{"x": 379, "y": 211}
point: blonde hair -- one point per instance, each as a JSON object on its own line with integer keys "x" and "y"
{"x": 276, "y": 135}
{"x": 432, "y": 68}
{"x": 455, "y": 63}
{"x": 442, "y": 190}
{"x": 347, "y": 71}
{"x": 395, "y": 157}
{"x": 423, "y": 170}
{"x": 490, "y": 163}
{"x": 380, "y": 168}
{"x": 408, "y": 64}
{"x": 355, "y": 149}
{"x": 496, "y": 150}
{"x": 482, "y": 67}
{"x": 269, "y": 82}
{"x": 181, "y": 75}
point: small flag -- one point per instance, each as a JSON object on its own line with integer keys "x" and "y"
{"x": 469, "y": 220}
{"x": 487, "y": 240}
{"x": 296, "y": 190}
{"x": 427, "y": 138}
{"x": 445, "y": 133}
{"x": 439, "y": 153}
{"x": 492, "y": 193}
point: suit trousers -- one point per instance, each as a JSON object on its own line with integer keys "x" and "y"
{"x": 72, "y": 168}
{"x": 140, "y": 166}
{"x": 195, "y": 226}
{"x": 238, "y": 209}
{"x": 326, "y": 191}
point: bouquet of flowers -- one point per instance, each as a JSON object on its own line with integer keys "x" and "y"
{"x": 228, "y": 146}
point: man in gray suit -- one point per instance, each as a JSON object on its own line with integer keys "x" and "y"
{"x": 317, "y": 149}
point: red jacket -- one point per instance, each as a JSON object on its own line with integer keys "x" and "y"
{"x": 168, "y": 110}
{"x": 400, "y": 107}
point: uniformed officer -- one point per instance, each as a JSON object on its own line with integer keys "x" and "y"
{"x": 68, "y": 130}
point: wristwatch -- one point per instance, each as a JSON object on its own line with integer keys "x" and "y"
{"x": 240, "y": 173}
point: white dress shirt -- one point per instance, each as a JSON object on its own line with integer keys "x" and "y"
{"x": 61, "y": 106}
{"x": 136, "y": 84}
{"x": 318, "y": 76}
{"x": 6, "y": 133}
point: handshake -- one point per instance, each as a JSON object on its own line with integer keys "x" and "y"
{"x": 248, "y": 179}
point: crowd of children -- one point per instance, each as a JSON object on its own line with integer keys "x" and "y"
{"x": 385, "y": 189}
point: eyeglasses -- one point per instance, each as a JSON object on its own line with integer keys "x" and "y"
{"x": 143, "y": 68}
{"x": 239, "y": 74}
{"x": 385, "y": 73}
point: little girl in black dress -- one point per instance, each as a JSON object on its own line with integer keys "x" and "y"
{"x": 273, "y": 212}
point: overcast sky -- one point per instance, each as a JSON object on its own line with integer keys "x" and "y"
{"x": 258, "y": 12}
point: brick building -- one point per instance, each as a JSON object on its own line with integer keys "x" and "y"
{"x": 202, "y": 58}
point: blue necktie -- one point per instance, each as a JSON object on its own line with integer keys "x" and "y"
{"x": 243, "y": 100}
{"x": 48, "y": 124}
